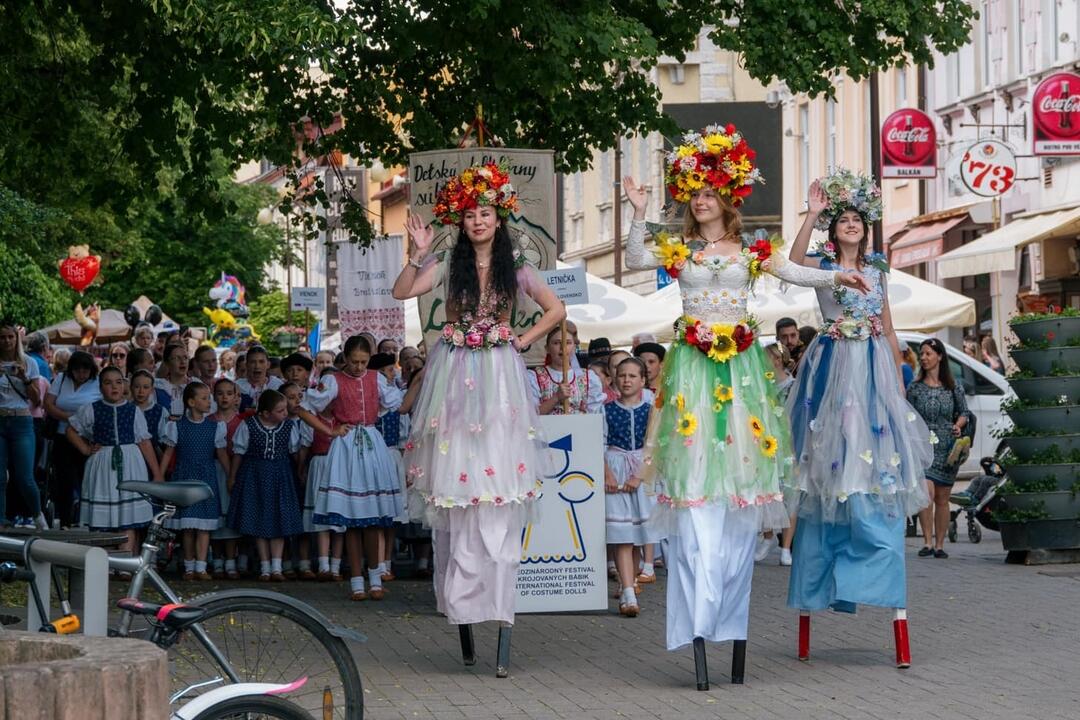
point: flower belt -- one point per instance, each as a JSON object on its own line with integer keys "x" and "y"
{"x": 719, "y": 341}
{"x": 477, "y": 336}
{"x": 852, "y": 328}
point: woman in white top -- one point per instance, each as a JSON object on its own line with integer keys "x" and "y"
{"x": 70, "y": 391}
{"x": 18, "y": 391}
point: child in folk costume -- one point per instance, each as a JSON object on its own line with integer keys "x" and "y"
{"x": 262, "y": 483}
{"x": 625, "y": 422}
{"x": 717, "y": 442}
{"x": 296, "y": 547}
{"x": 198, "y": 443}
{"x": 156, "y": 414}
{"x": 389, "y": 426}
{"x": 475, "y": 455}
{"x": 112, "y": 432}
{"x": 583, "y": 389}
{"x": 227, "y": 398}
{"x": 170, "y": 385}
{"x": 861, "y": 448}
{"x": 256, "y": 377}
{"x": 314, "y": 475}
{"x": 362, "y": 491}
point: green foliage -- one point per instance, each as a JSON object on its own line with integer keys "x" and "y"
{"x": 1019, "y": 516}
{"x": 1057, "y": 313}
{"x": 117, "y": 94}
{"x": 1044, "y": 484}
{"x": 270, "y": 312}
{"x": 27, "y": 295}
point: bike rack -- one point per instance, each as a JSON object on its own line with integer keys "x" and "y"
{"x": 91, "y": 578}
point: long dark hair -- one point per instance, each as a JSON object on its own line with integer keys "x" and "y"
{"x": 944, "y": 372}
{"x": 862, "y": 243}
{"x": 464, "y": 290}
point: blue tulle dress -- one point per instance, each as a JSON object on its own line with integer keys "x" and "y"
{"x": 861, "y": 451}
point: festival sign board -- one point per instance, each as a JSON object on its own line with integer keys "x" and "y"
{"x": 908, "y": 145}
{"x": 988, "y": 168}
{"x": 569, "y": 284}
{"x": 1055, "y": 115}
{"x": 532, "y": 173}
{"x": 564, "y": 553}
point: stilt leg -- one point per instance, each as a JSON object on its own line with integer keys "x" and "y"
{"x": 738, "y": 662}
{"x": 502, "y": 664}
{"x": 900, "y": 633}
{"x": 700, "y": 669}
{"x": 468, "y": 648}
{"x": 804, "y": 636}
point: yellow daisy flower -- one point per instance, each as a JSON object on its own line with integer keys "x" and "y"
{"x": 723, "y": 347}
{"x": 768, "y": 446}
{"x": 756, "y": 426}
{"x": 769, "y": 375}
{"x": 723, "y": 393}
{"x": 687, "y": 424}
{"x": 680, "y": 402}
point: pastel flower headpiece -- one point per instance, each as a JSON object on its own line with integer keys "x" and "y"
{"x": 847, "y": 190}
{"x": 478, "y": 185}
{"x": 717, "y": 157}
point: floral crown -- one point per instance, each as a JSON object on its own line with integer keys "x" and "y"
{"x": 846, "y": 190}
{"x": 478, "y": 185}
{"x": 717, "y": 157}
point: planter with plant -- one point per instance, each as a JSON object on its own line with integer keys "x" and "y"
{"x": 1039, "y": 506}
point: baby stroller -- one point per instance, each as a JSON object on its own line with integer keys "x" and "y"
{"x": 977, "y": 501}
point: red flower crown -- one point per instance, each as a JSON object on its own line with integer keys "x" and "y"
{"x": 479, "y": 185}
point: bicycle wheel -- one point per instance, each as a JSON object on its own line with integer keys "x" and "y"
{"x": 268, "y": 640}
{"x": 255, "y": 707}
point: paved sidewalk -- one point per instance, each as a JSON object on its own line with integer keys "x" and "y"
{"x": 989, "y": 640}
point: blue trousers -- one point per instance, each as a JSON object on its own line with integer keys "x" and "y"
{"x": 17, "y": 453}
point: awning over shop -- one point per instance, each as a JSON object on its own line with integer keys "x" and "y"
{"x": 921, "y": 243}
{"x": 996, "y": 251}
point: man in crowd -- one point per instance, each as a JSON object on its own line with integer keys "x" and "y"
{"x": 787, "y": 334}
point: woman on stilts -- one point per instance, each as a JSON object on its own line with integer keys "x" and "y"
{"x": 717, "y": 450}
{"x": 475, "y": 457}
{"x": 861, "y": 449}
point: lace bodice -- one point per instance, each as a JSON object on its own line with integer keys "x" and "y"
{"x": 717, "y": 289}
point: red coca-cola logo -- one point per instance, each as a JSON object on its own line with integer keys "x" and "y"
{"x": 1056, "y": 106}
{"x": 908, "y": 137}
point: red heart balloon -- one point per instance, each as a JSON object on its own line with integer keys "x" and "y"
{"x": 80, "y": 272}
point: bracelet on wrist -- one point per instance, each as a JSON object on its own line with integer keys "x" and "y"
{"x": 418, "y": 264}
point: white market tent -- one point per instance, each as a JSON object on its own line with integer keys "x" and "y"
{"x": 916, "y": 305}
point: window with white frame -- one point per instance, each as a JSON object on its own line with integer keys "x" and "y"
{"x": 804, "y": 148}
{"x": 606, "y": 231}
{"x": 577, "y": 189}
{"x": 605, "y": 175}
{"x": 901, "y": 86}
{"x": 830, "y": 134}
{"x": 1019, "y": 46}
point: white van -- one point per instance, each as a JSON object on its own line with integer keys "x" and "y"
{"x": 985, "y": 390}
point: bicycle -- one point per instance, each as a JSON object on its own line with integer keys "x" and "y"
{"x": 245, "y": 701}
{"x": 245, "y": 635}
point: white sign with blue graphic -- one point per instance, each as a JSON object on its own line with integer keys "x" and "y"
{"x": 563, "y": 555}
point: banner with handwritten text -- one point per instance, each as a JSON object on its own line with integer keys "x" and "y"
{"x": 364, "y": 283}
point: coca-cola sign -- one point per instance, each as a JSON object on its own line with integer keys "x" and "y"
{"x": 1055, "y": 115}
{"x": 908, "y": 145}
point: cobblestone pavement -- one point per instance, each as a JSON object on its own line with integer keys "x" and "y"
{"x": 988, "y": 640}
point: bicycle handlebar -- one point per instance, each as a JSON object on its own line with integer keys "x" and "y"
{"x": 10, "y": 572}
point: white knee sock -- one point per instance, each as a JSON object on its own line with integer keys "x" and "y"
{"x": 275, "y": 565}
{"x": 375, "y": 576}
{"x": 335, "y": 566}
{"x": 356, "y": 584}
{"x": 324, "y": 563}
{"x": 264, "y": 567}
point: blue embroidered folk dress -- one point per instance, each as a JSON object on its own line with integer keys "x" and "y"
{"x": 861, "y": 451}
{"x": 263, "y": 502}
{"x": 627, "y": 513}
{"x": 196, "y": 446}
{"x": 117, "y": 429}
{"x": 389, "y": 426}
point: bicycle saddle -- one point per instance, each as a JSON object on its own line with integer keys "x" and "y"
{"x": 179, "y": 493}
{"x": 171, "y": 615}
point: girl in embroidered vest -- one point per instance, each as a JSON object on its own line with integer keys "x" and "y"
{"x": 314, "y": 475}
{"x": 224, "y": 539}
{"x": 627, "y": 508}
{"x": 156, "y": 414}
{"x": 861, "y": 448}
{"x": 475, "y": 456}
{"x": 549, "y": 388}
{"x": 361, "y": 490}
{"x": 256, "y": 377}
{"x": 262, "y": 481}
{"x": 198, "y": 444}
{"x": 112, "y": 433}
{"x": 717, "y": 442}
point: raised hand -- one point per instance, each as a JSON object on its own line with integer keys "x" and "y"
{"x": 420, "y": 237}
{"x": 635, "y": 193}
{"x": 816, "y": 199}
